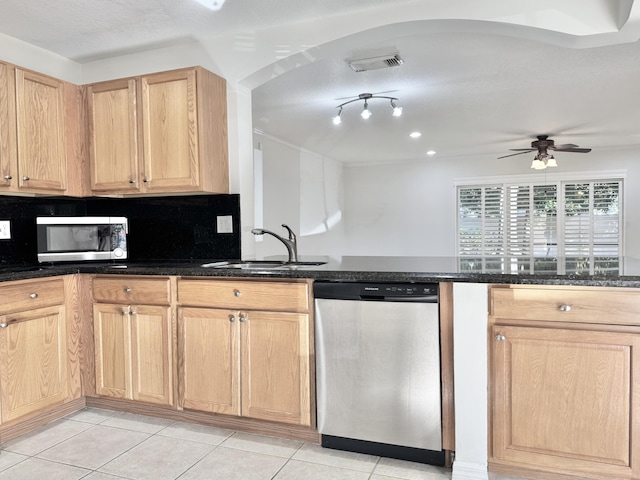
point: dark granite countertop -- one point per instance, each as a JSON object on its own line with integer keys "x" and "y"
{"x": 607, "y": 272}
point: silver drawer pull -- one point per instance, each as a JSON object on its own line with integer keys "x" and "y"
{"x": 126, "y": 290}
{"x": 232, "y": 318}
{"x": 6, "y": 323}
{"x": 8, "y": 177}
{"x": 565, "y": 308}
{"x": 501, "y": 338}
{"x": 242, "y": 318}
{"x": 237, "y": 293}
{"x": 33, "y": 295}
{"x": 132, "y": 181}
{"x": 25, "y": 178}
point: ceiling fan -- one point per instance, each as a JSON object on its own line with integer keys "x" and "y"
{"x": 545, "y": 159}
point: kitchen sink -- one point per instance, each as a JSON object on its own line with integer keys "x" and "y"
{"x": 261, "y": 264}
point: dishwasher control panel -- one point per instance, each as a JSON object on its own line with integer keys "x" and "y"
{"x": 389, "y": 292}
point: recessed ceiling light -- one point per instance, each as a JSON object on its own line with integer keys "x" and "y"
{"x": 212, "y": 4}
{"x": 431, "y": 152}
{"x": 415, "y": 134}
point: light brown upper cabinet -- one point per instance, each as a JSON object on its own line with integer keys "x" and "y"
{"x": 40, "y": 133}
{"x": 8, "y": 154}
{"x": 40, "y": 127}
{"x": 159, "y": 133}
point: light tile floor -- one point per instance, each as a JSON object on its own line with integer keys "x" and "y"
{"x": 96, "y": 444}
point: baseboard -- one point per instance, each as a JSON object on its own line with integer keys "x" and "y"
{"x": 22, "y": 426}
{"x": 242, "y": 424}
{"x": 469, "y": 471}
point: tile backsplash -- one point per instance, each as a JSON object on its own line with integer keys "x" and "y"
{"x": 160, "y": 228}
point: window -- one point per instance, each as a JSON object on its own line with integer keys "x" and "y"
{"x": 564, "y": 226}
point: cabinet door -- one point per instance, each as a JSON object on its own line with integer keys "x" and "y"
{"x": 112, "y": 337}
{"x": 151, "y": 354}
{"x": 40, "y": 132}
{"x": 7, "y": 128}
{"x": 113, "y": 136}
{"x": 170, "y": 131}
{"x": 275, "y": 367}
{"x": 33, "y": 361}
{"x": 209, "y": 360}
{"x": 566, "y": 400}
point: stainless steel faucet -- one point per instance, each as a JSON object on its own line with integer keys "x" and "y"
{"x": 291, "y": 243}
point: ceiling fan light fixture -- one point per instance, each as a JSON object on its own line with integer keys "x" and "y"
{"x": 551, "y": 161}
{"x": 538, "y": 164}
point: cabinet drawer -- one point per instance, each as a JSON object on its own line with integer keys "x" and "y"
{"x": 125, "y": 289}
{"x": 277, "y": 296}
{"x": 616, "y": 306}
{"x": 20, "y": 296}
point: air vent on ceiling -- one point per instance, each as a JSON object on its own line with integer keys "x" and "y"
{"x": 373, "y": 63}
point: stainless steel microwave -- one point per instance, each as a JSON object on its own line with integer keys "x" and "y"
{"x": 63, "y": 239}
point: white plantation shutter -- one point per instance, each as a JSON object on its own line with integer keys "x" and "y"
{"x": 522, "y": 222}
{"x": 481, "y": 221}
{"x": 545, "y": 220}
{"x": 519, "y": 220}
{"x": 592, "y": 219}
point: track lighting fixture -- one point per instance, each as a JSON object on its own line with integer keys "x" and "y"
{"x": 337, "y": 120}
{"x": 366, "y": 113}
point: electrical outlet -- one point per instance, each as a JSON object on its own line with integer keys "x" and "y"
{"x": 225, "y": 224}
{"x": 5, "y": 229}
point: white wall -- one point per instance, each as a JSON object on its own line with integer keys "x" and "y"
{"x": 304, "y": 191}
{"x": 409, "y": 209}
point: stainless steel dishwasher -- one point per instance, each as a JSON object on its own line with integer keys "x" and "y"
{"x": 378, "y": 369}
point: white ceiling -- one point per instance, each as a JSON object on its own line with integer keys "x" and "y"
{"x": 480, "y": 76}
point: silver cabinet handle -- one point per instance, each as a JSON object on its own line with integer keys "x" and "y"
{"x": 501, "y": 338}
{"x": 132, "y": 181}
{"x": 8, "y": 177}
{"x": 565, "y": 308}
{"x": 145, "y": 180}
{"x": 33, "y": 295}
{"x": 133, "y": 312}
{"x": 6, "y": 323}
{"x": 126, "y": 290}
{"x": 237, "y": 293}
{"x": 242, "y": 318}
{"x": 125, "y": 313}
{"x": 232, "y": 318}
{"x": 25, "y": 178}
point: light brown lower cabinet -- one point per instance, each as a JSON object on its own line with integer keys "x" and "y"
{"x": 39, "y": 348}
{"x": 565, "y": 394}
{"x": 249, "y": 363}
{"x": 133, "y": 352}
{"x": 33, "y": 361}
{"x": 241, "y": 361}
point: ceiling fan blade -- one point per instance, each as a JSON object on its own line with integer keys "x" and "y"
{"x": 564, "y": 145}
{"x": 574, "y": 150}
{"x": 514, "y": 154}
{"x": 522, "y": 149}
